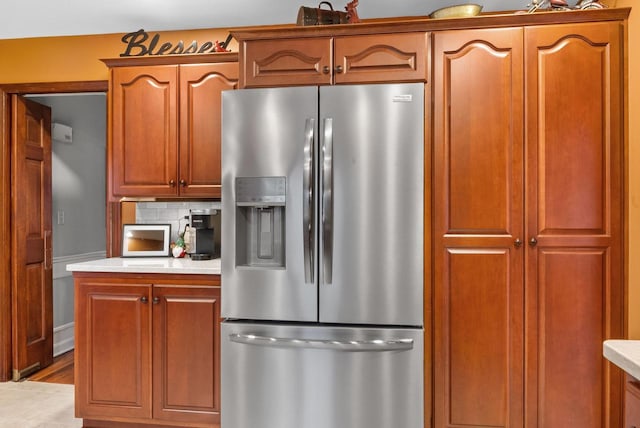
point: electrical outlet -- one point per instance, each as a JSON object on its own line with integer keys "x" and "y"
{"x": 60, "y": 217}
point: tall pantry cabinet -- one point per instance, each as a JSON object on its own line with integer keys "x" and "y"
{"x": 528, "y": 225}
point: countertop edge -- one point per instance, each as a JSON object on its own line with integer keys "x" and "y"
{"x": 624, "y": 354}
{"x": 165, "y": 265}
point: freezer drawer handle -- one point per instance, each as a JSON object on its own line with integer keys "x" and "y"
{"x": 376, "y": 345}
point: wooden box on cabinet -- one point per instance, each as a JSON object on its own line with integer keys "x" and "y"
{"x": 165, "y": 129}
{"x": 147, "y": 349}
{"x": 334, "y": 60}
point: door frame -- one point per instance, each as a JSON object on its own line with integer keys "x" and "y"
{"x": 6, "y": 90}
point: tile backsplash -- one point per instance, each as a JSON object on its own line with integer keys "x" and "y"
{"x": 172, "y": 213}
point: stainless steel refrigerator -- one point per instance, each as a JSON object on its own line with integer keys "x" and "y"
{"x": 322, "y": 267}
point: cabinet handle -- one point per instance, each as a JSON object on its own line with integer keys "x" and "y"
{"x": 533, "y": 241}
{"x": 144, "y": 299}
{"x": 172, "y": 183}
{"x": 339, "y": 69}
{"x": 156, "y": 300}
{"x": 183, "y": 183}
{"x": 326, "y": 69}
{"x": 518, "y": 243}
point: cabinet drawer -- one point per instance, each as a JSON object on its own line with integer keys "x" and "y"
{"x": 286, "y": 62}
{"x": 381, "y": 58}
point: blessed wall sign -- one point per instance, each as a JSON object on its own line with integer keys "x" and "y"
{"x": 140, "y": 44}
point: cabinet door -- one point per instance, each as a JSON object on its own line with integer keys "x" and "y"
{"x": 286, "y": 62}
{"x": 186, "y": 349}
{"x": 574, "y": 267}
{"x": 113, "y": 350}
{"x": 381, "y": 58}
{"x": 143, "y": 156}
{"x": 200, "y": 128}
{"x": 478, "y": 225}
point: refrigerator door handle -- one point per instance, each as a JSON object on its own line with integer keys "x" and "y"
{"x": 327, "y": 200}
{"x": 376, "y": 345}
{"x": 307, "y": 197}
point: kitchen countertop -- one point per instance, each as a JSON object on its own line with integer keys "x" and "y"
{"x": 624, "y": 354}
{"x": 148, "y": 265}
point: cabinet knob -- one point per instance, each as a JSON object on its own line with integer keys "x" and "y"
{"x": 339, "y": 69}
{"x": 518, "y": 243}
{"x": 156, "y": 300}
{"x": 172, "y": 183}
{"x": 326, "y": 69}
{"x": 183, "y": 183}
{"x": 533, "y": 241}
{"x": 144, "y": 299}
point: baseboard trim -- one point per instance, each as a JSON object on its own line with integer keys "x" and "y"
{"x": 63, "y": 339}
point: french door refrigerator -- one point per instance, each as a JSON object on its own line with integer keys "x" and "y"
{"x": 322, "y": 261}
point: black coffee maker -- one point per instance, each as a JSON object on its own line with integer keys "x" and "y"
{"x": 202, "y": 239}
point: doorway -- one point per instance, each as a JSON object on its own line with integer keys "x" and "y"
{"x": 78, "y": 143}
{"x": 53, "y": 90}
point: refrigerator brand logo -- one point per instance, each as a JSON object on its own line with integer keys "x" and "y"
{"x": 407, "y": 98}
{"x": 137, "y": 46}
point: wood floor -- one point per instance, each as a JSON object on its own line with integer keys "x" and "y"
{"x": 61, "y": 371}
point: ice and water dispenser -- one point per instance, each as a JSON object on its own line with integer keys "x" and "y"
{"x": 260, "y": 221}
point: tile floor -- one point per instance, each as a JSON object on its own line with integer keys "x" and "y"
{"x": 37, "y": 405}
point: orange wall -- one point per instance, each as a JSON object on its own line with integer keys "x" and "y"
{"x": 77, "y": 58}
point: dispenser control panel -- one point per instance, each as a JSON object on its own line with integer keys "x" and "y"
{"x": 260, "y": 191}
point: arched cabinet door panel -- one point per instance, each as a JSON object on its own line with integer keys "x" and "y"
{"x": 144, "y": 133}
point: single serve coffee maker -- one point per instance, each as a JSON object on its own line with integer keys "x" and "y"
{"x": 200, "y": 236}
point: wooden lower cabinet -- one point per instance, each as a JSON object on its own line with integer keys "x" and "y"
{"x": 147, "y": 350}
{"x": 632, "y": 403}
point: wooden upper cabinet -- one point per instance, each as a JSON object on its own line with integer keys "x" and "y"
{"x": 333, "y": 60}
{"x": 286, "y": 62}
{"x": 143, "y": 157}
{"x": 165, "y": 137}
{"x": 381, "y": 58}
